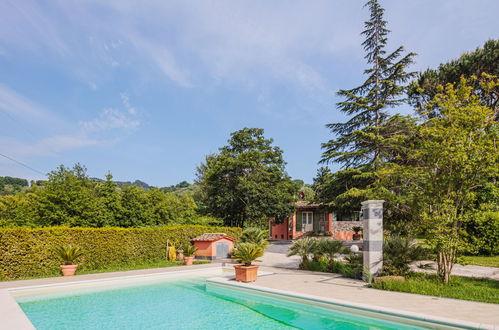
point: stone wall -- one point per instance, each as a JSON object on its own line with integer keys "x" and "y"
{"x": 342, "y": 226}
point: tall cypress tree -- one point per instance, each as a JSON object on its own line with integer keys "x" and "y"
{"x": 359, "y": 141}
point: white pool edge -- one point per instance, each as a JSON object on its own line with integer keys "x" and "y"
{"x": 348, "y": 305}
{"x": 13, "y": 317}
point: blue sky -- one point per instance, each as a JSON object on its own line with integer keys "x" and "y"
{"x": 147, "y": 90}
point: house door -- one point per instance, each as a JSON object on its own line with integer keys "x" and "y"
{"x": 222, "y": 250}
{"x": 307, "y": 221}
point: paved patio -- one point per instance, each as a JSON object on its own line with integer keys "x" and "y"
{"x": 336, "y": 287}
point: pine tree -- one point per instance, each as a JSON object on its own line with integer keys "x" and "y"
{"x": 359, "y": 140}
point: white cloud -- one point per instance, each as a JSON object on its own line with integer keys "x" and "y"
{"x": 110, "y": 119}
{"x": 19, "y": 106}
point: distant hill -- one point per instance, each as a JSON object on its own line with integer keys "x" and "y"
{"x": 10, "y": 185}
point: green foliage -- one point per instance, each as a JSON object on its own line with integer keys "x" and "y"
{"x": 26, "y": 252}
{"x": 482, "y": 60}
{"x": 10, "y": 185}
{"x": 190, "y": 250}
{"x": 359, "y": 141}
{"x": 70, "y": 198}
{"x": 68, "y": 254}
{"x": 303, "y": 248}
{"x": 466, "y": 288}
{"x": 246, "y": 183}
{"x": 399, "y": 252}
{"x": 483, "y": 232}
{"x": 255, "y": 235}
{"x": 246, "y": 253}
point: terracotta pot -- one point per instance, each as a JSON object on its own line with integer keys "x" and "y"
{"x": 246, "y": 273}
{"x": 68, "y": 270}
{"x": 188, "y": 260}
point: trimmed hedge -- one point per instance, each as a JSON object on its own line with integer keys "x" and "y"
{"x": 28, "y": 253}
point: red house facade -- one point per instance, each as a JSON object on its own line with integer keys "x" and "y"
{"x": 308, "y": 219}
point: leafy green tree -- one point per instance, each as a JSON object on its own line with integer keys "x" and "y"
{"x": 456, "y": 154}
{"x": 482, "y": 60}
{"x": 10, "y": 185}
{"x": 68, "y": 198}
{"x": 359, "y": 140}
{"x": 246, "y": 183}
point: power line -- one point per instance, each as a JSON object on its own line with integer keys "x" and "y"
{"x": 22, "y": 164}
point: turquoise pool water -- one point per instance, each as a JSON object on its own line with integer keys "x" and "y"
{"x": 185, "y": 305}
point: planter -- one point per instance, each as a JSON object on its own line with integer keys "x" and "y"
{"x": 68, "y": 270}
{"x": 188, "y": 260}
{"x": 246, "y": 273}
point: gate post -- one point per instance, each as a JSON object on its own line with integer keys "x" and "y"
{"x": 372, "y": 213}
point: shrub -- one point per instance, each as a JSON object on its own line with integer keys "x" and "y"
{"x": 256, "y": 236}
{"x": 398, "y": 253}
{"x": 246, "y": 253}
{"x": 26, "y": 252}
{"x": 303, "y": 247}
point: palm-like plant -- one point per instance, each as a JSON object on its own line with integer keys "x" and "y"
{"x": 399, "y": 252}
{"x": 246, "y": 253}
{"x": 304, "y": 248}
{"x": 254, "y": 235}
{"x": 329, "y": 247}
{"x": 68, "y": 254}
{"x": 190, "y": 250}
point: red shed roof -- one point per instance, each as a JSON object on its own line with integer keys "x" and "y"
{"x": 208, "y": 237}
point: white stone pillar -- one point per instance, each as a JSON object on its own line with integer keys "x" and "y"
{"x": 372, "y": 213}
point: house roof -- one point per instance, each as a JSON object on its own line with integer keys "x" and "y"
{"x": 209, "y": 237}
{"x": 305, "y": 204}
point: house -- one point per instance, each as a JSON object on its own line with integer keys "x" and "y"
{"x": 213, "y": 246}
{"x": 311, "y": 218}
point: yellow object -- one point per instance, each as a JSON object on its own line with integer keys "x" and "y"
{"x": 172, "y": 253}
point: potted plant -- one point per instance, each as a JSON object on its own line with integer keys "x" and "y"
{"x": 246, "y": 253}
{"x": 68, "y": 254}
{"x": 356, "y": 235}
{"x": 189, "y": 252}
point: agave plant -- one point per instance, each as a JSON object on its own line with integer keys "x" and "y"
{"x": 399, "y": 252}
{"x": 68, "y": 254}
{"x": 190, "y": 250}
{"x": 254, "y": 235}
{"x": 246, "y": 253}
{"x": 304, "y": 248}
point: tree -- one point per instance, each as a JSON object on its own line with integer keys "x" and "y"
{"x": 359, "y": 140}
{"x": 456, "y": 155}
{"x": 68, "y": 198}
{"x": 246, "y": 183}
{"x": 482, "y": 60}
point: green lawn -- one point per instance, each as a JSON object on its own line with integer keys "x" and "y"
{"x": 465, "y": 288}
{"x": 490, "y": 261}
{"x": 156, "y": 264}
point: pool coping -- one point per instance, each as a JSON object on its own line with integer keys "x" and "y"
{"x": 13, "y": 317}
{"x": 348, "y": 305}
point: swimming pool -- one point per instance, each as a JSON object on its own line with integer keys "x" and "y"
{"x": 182, "y": 303}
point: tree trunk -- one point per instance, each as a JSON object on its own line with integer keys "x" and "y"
{"x": 445, "y": 263}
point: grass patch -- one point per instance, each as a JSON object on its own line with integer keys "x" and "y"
{"x": 465, "y": 288}
{"x": 489, "y": 261}
{"x": 154, "y": 264}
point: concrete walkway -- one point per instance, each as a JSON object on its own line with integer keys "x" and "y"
{"x": 336, "y": 287}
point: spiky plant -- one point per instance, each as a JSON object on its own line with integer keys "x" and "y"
{"x": 68, "y": 254}
{"x": 246, "y": 253}
{"x": 254, "y": 235}
{"x": 190, "y": 250}
{"x": 330, "y": 247}
{"x": 399, "y": 252}
{"x": 304, "y": 248}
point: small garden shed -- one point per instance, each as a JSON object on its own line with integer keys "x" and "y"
{"x": 213, "y": 246}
